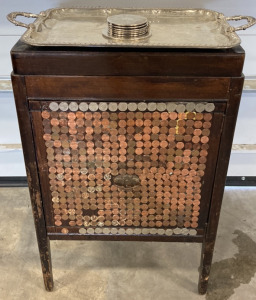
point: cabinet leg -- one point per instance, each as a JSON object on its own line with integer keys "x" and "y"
{"x": 27, "y": 138}
{"x": 205, "y": 266}
{"x": 46, "y": 262}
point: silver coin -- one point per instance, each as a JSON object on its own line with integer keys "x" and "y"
{"x": 73, "y": 106}
{"x": 82, "y": 230}
{"x": 66, "y": 151}
{"x": 137, "y": 231}
{"x": 192, "y": 232}
{"x": 152, "y": 106}
{"x": 115, "y": 223}
{"x": 54, "y": 106}
{"x": 169, "y": 232}
{"x": 94, "y": 218}
{"x": 55, "y": 200}
{"x": 98, "y": 230}
{"x": 113, "y": 230}
{"x": 122, "y": 106}
{"x": 171, "y": 106}
{"x": 161, "y": 106}
{"x": 63, "y": 106}
{"x": 161, "y": 231}
{"x": 129, "y": 231}
{"x": 103, "y": 106}
{"x": 177, "y": 231}
{"x": 60, "y": 176}
{"x": 200, "y": 107}
{"x": 180, "y": 108}
{"x": 98, "y": 188}
{"x": 101, "y": 224}
{"x": 153, "y": 231}
{"x": 93, "y": 106}
{"x": 112, "y": 106}
{"x": 83, "y": 106}
{"x": 86, "y": 223}
{"x": 91, "y": 189}
{"x": 190, "y": 106}
{"x": 121, "y": 231}
{"x": 107, "y": 176}
{"x": 184, "y": 231}
{"x": 85, "y": 195}
{"x": 142, "y": 106}
{"x": 209, "y": 107}
{"x": 84, "y": 171}
{"x": 106, "y": 230}
{"x": 145, "y": 230}
{"x": 90, "y": 230}
{"x": 132, "y": 106}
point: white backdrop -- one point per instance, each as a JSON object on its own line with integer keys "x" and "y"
{"x": 243, "y": 159}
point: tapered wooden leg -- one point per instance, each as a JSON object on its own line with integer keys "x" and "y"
{"x": 41, "y": 234}
{"x": 45, "y": 257}
{"x": 205, "y": 266}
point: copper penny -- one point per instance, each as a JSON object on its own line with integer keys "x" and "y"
{"x": 207, "y": 125}
{"x": 55, "y": 122}
{"x": 46, "y": 114}
{"x": 204, "y": 139}
{"x": 54, "y": 114}
{"x": 203, "y": 153}
{"x": 196, "y": 139}
{"x": 194, "y": 160}
{"x": 173, "y": 115}
{"x": 139, "y": 122}
{"x": 62, "y": 115}
{"x": 147, "y": 122}
{"x": 58, "y": 223}
{"x": 199, "y": 116}
{"x": 206, "y": 132}
{"x": 47, "y": 137}
{"x": 122, "y": 145}
{"x": 207, "y": 117}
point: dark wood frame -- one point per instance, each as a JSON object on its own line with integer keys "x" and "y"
{"x": 160, "y": 74}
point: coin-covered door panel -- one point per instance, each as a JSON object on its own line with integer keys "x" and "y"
{"x": 127, "y": 168}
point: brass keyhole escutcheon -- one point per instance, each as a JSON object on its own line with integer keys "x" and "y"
{"x": 126, "y": 181}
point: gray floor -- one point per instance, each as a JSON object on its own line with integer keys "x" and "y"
{"x": 128, "y": 270}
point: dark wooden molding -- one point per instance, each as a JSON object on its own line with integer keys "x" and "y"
{"x": 21, "y": 181}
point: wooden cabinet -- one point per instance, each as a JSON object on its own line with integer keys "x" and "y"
{"x": 127, "y": 144}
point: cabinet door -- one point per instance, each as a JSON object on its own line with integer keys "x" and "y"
{"x": 136, "y": 168}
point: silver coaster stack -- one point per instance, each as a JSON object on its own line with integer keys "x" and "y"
{"x": 126, "y": 26}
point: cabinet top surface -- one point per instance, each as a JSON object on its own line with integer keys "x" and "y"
{"x": 103, "y": 61}
{"x": 22, "y": 47}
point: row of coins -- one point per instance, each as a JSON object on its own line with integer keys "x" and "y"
{"x": 136, "y": 231}
{"x": 133, "y": 106}
{"x": 117, "y": 219}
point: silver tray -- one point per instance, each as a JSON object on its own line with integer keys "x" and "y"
{"x": 171, "y": 28}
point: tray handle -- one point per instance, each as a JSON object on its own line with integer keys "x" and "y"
{"x": 13, "y": 15}
{"x": 251, "y": 21}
